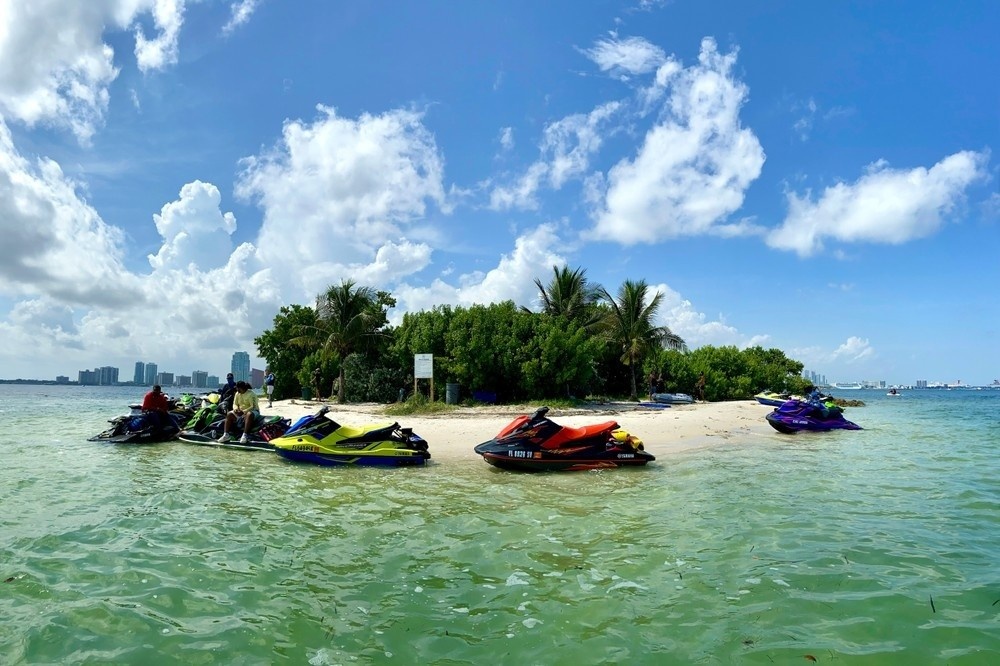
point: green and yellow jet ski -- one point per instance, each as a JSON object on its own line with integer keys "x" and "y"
{"x": 318, "y": 439}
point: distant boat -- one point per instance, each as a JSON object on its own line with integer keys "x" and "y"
{"x": 672, "y": 398}
{"x": 848, "y": 386}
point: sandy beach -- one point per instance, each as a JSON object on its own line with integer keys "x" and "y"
{"x": 663, "y": 431}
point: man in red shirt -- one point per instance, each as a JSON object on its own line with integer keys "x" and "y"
{"x": 155, "y": 401}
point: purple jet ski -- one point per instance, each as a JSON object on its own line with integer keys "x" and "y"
{"x": 795, "y": 415}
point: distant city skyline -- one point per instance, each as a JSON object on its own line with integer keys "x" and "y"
{"x": 147, "y": 373}
{"x": 240, "y": 366}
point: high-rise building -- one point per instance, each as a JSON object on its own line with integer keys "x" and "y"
{"x": 164, "y": 379}
{"x": 212, "y": 381}
{"x": 241, "y": 366}
{"x": 107, "y": 376}
{"x": 86, "y": 377}
{"x": 199, "y": 378}
{"x": 140, "y": 373}
{"x": 150, "y": 377}
{"x": 256, "y": 377}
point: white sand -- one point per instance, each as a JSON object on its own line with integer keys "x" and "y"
{"x": 453, "y": 435}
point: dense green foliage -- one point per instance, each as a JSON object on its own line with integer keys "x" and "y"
{"x": 730, "y": 373}
{"x": 284, "y": 358}
{"x": 585, "y": 342}
{"x": 500, "y": 349}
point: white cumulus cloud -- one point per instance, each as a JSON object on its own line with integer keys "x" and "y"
{"x": 56, "y": 68}
{"x": 512, "y": 279}
{"x": 337, "y": 190}
{"x": 53, "y": 241}
{"x": 884, "y": 206}
{"x": 566, "y": 148}
{"x": 195, "y": 231}
{"x": 161, "y": 49}
{"x": 694, "y": 164}
{"x": 697, "y": 329}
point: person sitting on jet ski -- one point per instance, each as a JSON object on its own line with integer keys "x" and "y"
{"x": 157, "y": 404}
{"x": 227, "y": 391}
{"x": 245, "y": 412}
{"x": 815, "y": 399}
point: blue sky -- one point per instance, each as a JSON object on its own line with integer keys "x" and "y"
{"x": 816, "y": 177}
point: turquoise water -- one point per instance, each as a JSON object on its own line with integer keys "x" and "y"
{"x": 871, "y": 547}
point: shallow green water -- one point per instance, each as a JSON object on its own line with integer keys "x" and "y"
{"x": 871, "y": 547}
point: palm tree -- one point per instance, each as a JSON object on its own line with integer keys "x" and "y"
{"x": 629, "y": 324}
{"x": 346, "y": 316}
{"x": 569, "y": 294}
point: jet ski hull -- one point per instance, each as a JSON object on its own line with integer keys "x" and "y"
{"x": 526, "y": 461}
{"x": 208, "y": 440}
{"x": 392, "y": 458}
{"x": 139, "y": 428}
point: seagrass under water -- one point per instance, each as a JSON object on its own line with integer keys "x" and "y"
{"x": 873, "y": 547}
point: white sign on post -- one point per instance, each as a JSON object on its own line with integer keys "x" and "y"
{"x": 423, "y": 366}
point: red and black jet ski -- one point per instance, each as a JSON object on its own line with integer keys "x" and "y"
{"x": 536, "y": 443}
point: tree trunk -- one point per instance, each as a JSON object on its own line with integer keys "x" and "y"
{"x": 340, "y": 391}
{"x": 634, "y": 395}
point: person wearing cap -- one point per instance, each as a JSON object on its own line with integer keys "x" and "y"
{"x": 269, "y": 386}
{"x": 227, "y": 391}
{"x": 245, "y": 412}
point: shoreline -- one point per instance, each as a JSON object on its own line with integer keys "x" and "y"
{"x": 452, "y": 436}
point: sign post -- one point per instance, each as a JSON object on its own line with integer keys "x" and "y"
{"x": 423, "y": 368}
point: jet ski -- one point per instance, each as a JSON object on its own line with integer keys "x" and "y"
{"x": 797, "y": 415}
{"x": 206, "y": 425}
{"x": 259, "y": 438}
{"x": 536, "y": 443}
{"x": 318, "y": 439}
{"x": 139, "y": 427}
{"x": 772, "y": 399}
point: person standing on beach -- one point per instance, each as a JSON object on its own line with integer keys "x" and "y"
{"x": 269, "y": 386}
{"x": 317, "y": 380}
{"x": 699, "y": 388}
